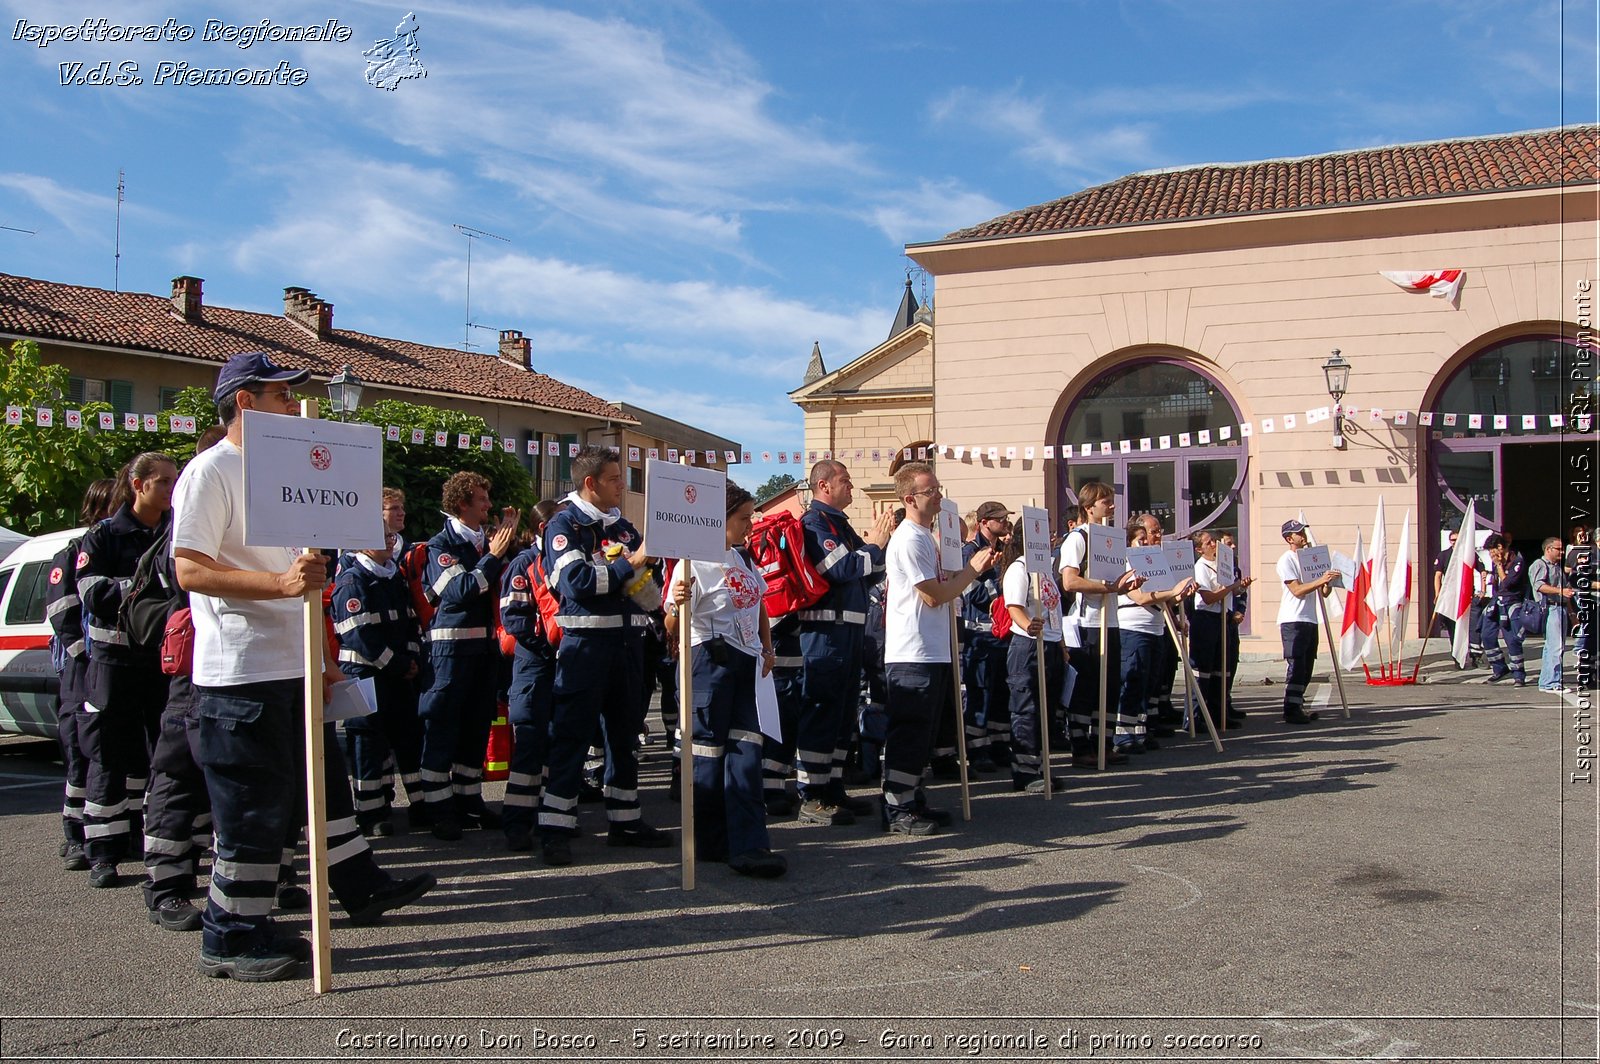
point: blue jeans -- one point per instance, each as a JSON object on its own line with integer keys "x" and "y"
{"x": 1555, "y": 644}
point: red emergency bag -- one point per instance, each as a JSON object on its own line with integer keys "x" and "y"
{"x": 778, "y": 545}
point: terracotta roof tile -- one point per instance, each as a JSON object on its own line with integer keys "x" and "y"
{"x": 48, "y": 310}
{"x": 1509, "y": 162}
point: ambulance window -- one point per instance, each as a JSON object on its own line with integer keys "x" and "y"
{"x": 27, "y": 598}
{"x": 5, "y": 582}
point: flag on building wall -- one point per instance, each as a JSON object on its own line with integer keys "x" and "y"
{"x": 1440, "y": 284}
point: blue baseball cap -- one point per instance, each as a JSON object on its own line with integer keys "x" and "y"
{"x": 252, "y": 368}
{"x": 1293, "y": 526}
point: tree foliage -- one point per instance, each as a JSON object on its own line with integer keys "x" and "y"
{"x": 47, "y": 470}
{"x": 775, "y": 485}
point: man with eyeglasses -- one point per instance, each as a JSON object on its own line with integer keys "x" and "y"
{"x": 832, "y": 641}
{"x": 917, "y": 648}
{"x": 249, "y": 680}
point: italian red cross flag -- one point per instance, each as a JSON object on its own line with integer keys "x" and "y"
{"x": 1455, "y": 593}
{"x": 1360, "y": 621}
{"x": 1440, "y": 284}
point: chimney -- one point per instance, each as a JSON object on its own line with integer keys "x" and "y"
{"x": 516, "y": 348}
{"x": 186, "y": 298}
{"x": 307, "y": 311}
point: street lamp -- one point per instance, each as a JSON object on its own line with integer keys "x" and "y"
{"x": 344, "y": 392}
{"x": 1337, "y": 372}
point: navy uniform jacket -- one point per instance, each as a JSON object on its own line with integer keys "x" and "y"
{"x": 62, "y": 606}
{"x": 1514, "y": 587}
{"x": 978, "y": 599}
{"x": 372, "y": 616}
{"x": 845, "y": 560}
{"x": 463, "y": 586}
{"x": 107, "y": 557}
{"x": 592, "y": 590}
{"x": 519, "y": 610}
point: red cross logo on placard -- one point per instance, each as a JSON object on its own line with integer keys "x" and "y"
{"x": 321, "y": 458}
{"x": 689, "y": 494}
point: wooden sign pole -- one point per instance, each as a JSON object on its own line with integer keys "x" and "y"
{"x": 316, "y": 791}
{"x": 1046, "y": 710}
{"x": 1327, "y": 629}
{"x": 1104, "y": 657}
{"x": 686, "y": 721}
{"x": 1189, "y": 682}
{"x": 961, "y": 717}
{"x": 1223, "y": 724}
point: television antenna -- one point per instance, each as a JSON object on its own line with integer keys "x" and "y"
{"x": 473, "y": 234}
{"x": 14, "y": 229}
{"x": 116, "y": 265}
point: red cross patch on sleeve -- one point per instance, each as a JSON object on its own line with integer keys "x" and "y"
{"x": 447, "y": 560}
{"x": 352, "y": 606}
{"x": 519, "y": 582}
{"x": 55, "y": 575}
{"x": 83, "y": 559}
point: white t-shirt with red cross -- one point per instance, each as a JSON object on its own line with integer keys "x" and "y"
{"x": 726, "y": 602}
{"x": 1017, "y": 590}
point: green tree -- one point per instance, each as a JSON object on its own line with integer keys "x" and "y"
{"x": 45, "y": 470}
{"x": 775, "y": 485}
{"x": 420, "y": 470}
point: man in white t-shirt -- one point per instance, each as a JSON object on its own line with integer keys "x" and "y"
{"x": 248, "y": 681}
{"x": 1297, "y": 621}
{"x": 917, "y": 647}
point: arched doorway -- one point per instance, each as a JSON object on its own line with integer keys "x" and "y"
{"x": 1200, "y": 485}
{"x": 1514, "y": 474}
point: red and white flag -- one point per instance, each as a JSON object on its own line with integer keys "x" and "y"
{"x": 1400, "y": 580}
{"x": 1378, "y": 571}
{"x": 1440, "y": 284}
{"x": 1455, "y": 593}
{"x": 1360, "y": 623}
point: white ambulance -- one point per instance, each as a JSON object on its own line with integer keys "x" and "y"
{"x": 28, "y": 685}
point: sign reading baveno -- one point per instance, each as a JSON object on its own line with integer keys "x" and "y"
{"x": 311, "y": 483}
{"x": 685, "y": 511}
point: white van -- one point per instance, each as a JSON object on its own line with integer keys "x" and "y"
{"x": 28, "y": 685}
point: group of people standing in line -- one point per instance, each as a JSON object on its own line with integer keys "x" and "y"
{"x": 568, "y": 621}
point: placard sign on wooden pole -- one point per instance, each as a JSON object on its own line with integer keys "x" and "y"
{"x": 1107, "y": 560}
{"x": 1154, "y": 565}
{"x": 309, "y": 484}
{"x": 1315, "y": 561}
{"x": 1180, "y": 567}
{"x": 1225, "y": 577}
{"x": 685, "y": 517}
{"x": 948, "y": 529}
{"x": 1037, "y": 560}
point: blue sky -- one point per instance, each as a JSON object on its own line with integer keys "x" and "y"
{"x": 694, "y": 193}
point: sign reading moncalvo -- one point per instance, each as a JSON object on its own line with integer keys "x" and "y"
{"x": 311, "y": 483}
{"x": 685, "y": 511}
{"x": 1108, "y": 553}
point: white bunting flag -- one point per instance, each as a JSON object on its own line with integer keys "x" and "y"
{"x": 711, "y": 457}
{"x": 1530, "y": 422}
{"x": 1125, "y": 446}
{"x": 1449, "y": 421}
{"x": 1425, "y": 418}
{"x": 130, "y": 422}
{"x": 1557, "y": 421}
{"x": 1050, "y": 451}
{"x": 73, "y": 419}
{"x": 1164, "y": 443}
{"x": 922, "y": 454}
{"x": 1246, "y": 430}
{"x": 463, "y": 440}
{"x": 13, "y": 415}
{"x": 1224, "y": 433}
{"x": 1105, "y": 446}
{"x": 1144, "y": 443}
{"x": 633, "y": 454}
{"x": 1402, "y": 418}
{"x": 441, "y": 438}
{"x": 392, "y": 433}
{"x": 1027, "y": 454}
{"x": 1086, "y": 451}
{"x": 691, "y": 455}
{"x": 510, "y": 445}
{"x": 44, "y": 417}
{"x": 1500, "y": 422}
{"x": 418, "y": 436}
{"x": 906, "y": 455}
{"x": 1375, "y": 414}
{"x": 174, "y": 423}
{"x": 572, "y": 450}
{"x": 1184, "y": 439}
{"x": 672, "y": 454}
{"x": 744, "y": 458}
{"x": 811, "y": 456}
{"x": 1474, "y": 421}
{"x": 150, "y": 423}
{"x": 107, "y": 421}
{"x": 1581, "y": 422}
{"x": 1011, "y": 454}
{"x": 1267, "y": 425}
{"x": 552, "y": 448}
{"x": 994, "y": 454}
{"x": 486, "y": 443}
{"x": 796, "y": 458}
{"x": 1288, "y": 422}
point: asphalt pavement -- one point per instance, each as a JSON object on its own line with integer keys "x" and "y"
{"x": 1416, "y": 881}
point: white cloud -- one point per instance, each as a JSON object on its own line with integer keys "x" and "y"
{"x": 1040, "y": 132}
{"x": 83, "y": 214}
{"x": 930, "y": 210}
